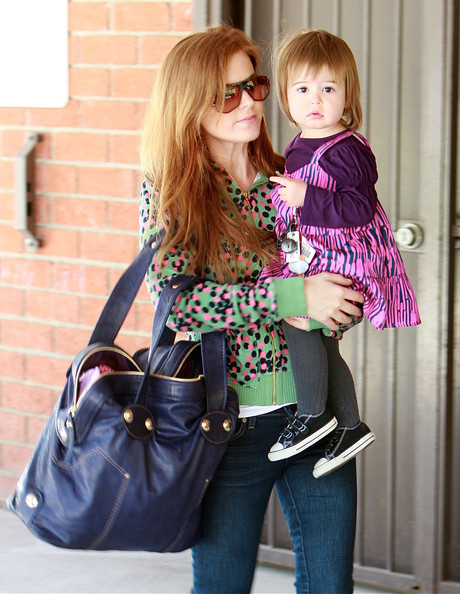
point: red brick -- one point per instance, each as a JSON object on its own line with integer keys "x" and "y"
{"x": 153, "y": 48}
{"x": 132, "y": 83}
{"x": 14, "y": 140}
{"x": 61, "y": 179}
{"x": 12, "y": 301}
{"x": 89, "y": 82}
{"x": 131, "y": 343}
{"x": 124, "y": 216}
{"x": 7, "y": 174}
{"x": 62, "y": 243}
{"x": 141, "y": 16}
{"x": 108, "y": 49}
{"x": 124, "y": 149}
{"x": 117, "y": 183}
{"x": 33, "y": 399}
{"x": 144, "y": 314}
{"x": 90, "y": 310}
{"x": 43, "y": 146}
{"x": 8, "y": 207}
{"x": 26, "y": 334}
{"x": 70, "y": 341}
{"x": 182, "y": 16}
{"x": 88, "y": 16}
{"x": 47, "y": 370}
{"x": 141, "y": 109}
{"x": 12, "y": 426}
{"x": 114, "y": 115}
{"x": 12, "y": 365}
{"x": 80, "y": 278}
{"x": 35, "y": 426}
{"x": 74, "y": 49}
{"x": 110, "y": 247}
{"x": 15, "y": 458}
{"x": 80, "y": 212}
{"x": 11, "y": 240}
{"x": 12, "y": 116}
{"x": 7, "y": 484}
{"x": 42, "y": 209}
{"x": 80, "y": 146}
{"x": 26, "y": 272}
{"x": 64, "y": 116}
{"x": 44, "y": 305}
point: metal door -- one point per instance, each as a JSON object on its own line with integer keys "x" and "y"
{"x": 408, "y": 534}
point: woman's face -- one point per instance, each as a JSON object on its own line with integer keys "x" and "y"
{"x": 223, "y": 131}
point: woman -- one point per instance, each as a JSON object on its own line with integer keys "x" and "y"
{"x": 207, "y": 158}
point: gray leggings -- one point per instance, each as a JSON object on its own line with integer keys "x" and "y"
{"x": 321, "y": 375}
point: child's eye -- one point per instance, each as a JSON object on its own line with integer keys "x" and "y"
{"x": 328, "y": 89}
{"x": 302, "y": 90}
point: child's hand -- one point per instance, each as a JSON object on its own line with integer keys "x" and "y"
{"x": 291, "y": 191}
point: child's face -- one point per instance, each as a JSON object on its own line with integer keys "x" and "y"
{"x": 316, "y": 102}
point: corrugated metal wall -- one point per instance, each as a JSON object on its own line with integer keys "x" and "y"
{"x": 409, "y": 512}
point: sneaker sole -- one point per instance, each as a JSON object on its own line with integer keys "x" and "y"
{"x": 304, "y": 444}
{"x": 324, "y": 466}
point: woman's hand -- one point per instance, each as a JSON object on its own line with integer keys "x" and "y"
{"x": 291, "y": 191}
{"x": 329, "y": 300}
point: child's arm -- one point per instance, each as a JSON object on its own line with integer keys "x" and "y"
{"x": 354, "y": 200}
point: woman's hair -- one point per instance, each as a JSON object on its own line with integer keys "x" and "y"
{"x": 191, "y": 200}
{"x": 312, "y": 50}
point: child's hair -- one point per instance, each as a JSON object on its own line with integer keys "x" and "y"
{"x": 313, "y": 50}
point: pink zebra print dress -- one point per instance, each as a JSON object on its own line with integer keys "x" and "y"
{"x": 367, "y": 254}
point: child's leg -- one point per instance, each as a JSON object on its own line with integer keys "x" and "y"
{"x": 352, "y": 435}
{"x": 310, "y": 368}
{"x": 312, "y": 420}
{"x": 341, "y": 387}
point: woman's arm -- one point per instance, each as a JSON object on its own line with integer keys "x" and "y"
{"x": 212, "y": 306}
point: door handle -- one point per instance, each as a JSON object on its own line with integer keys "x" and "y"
{"x": 409, "y": 236}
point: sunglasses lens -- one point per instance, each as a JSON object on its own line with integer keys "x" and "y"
{"x": 258, "y": 88}
{"x": 232, "y": 98}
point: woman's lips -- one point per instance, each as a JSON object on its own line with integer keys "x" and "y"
{"x": 248, "y": 120}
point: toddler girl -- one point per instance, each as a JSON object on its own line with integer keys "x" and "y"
{"x": 329, "y": 219}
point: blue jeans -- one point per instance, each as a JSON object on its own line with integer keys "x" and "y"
{"x": 320, "y": 514}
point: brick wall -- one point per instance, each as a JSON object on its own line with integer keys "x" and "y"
{"x": 87, "y": 178}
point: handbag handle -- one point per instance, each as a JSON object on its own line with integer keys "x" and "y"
{"x": 212, "y": 343}
{"x": 119, "y": 303}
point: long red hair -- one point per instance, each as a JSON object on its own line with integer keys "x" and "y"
{"x": 191, "y": 200}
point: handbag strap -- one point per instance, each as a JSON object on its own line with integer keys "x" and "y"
{"x": 119, "y": 303}
{"x": 213, "y": 347}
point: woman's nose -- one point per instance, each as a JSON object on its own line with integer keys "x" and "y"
{"x": 246, "y": 98}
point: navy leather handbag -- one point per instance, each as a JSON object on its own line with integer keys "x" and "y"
{"x": 126, "y": 456}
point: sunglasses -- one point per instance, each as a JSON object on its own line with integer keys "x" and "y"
{"x": 257, "y": 88}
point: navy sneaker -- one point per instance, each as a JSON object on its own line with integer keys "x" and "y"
{"x": 344, "y": 445}
{"x": 300, "y": 433}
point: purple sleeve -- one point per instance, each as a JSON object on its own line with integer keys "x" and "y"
{"x": 353, "y": 203}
